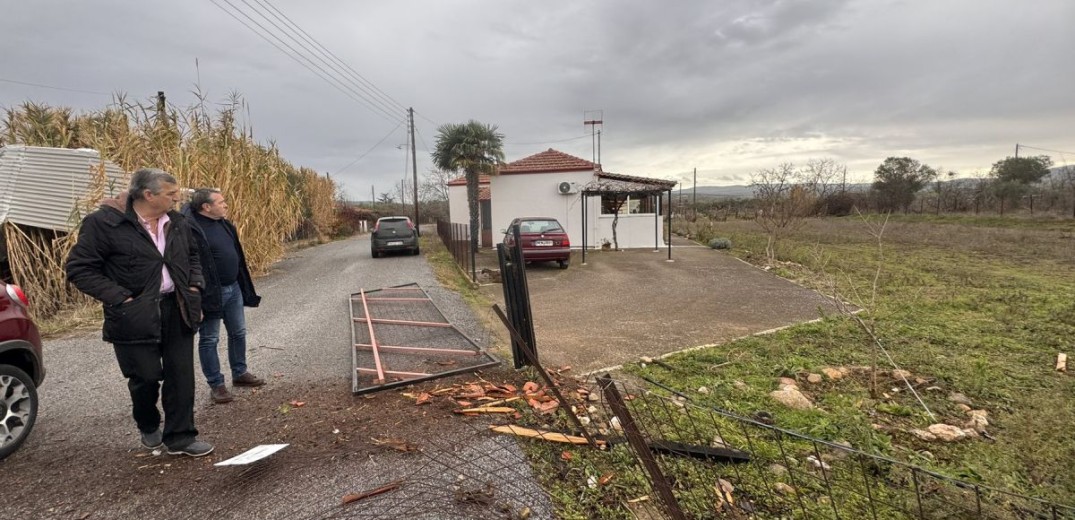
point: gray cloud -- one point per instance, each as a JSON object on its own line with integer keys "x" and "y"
{"x": 726, "y": 87}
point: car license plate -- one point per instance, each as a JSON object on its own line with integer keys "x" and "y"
{"x": 396, "y": 243}
{"x": 543, "y": 243}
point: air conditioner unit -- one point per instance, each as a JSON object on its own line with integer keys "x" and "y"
{"x": 567, "y": 188}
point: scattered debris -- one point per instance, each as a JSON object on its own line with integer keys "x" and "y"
{"x": 725, "y": 501}
{"x": 783, "y": 489}
{"x": 959, "y": 398}
{"x": 699, "y": 452}
{"x": 979, "y": 420}
{"x": 396, "y": 444}
{"x": 546, "y": 435}
{"x": 792, "y": 398}
{"x": 487, "y": 409}
{"x": 483, "y": 495}
{"x": 923, "y": 434}
{"x": 835, "y": 374}
{"x": 1061, "y": 362}
{"x": 355, "y": 497}
{"x": 817, "y": 463}
{"x": 948, "y": 433}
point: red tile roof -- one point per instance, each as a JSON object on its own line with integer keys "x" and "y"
{"x": 462, "y": 181}
{"x": 548, "y": 161}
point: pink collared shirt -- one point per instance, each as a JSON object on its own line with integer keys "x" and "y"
{"x": 167, "y": 285}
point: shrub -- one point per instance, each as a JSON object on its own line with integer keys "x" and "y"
{"x": 720, "y": 243}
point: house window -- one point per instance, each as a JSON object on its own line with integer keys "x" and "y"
{"x": 632, "y": 205}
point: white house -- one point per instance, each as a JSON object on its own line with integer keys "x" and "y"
{"x": 555, "y": 184}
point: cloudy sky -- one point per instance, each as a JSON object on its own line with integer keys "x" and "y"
{"x": 725, "y": 87}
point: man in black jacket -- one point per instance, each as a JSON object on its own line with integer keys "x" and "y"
{"x": 228, "y": 289}
{"x": 138, "y": 257}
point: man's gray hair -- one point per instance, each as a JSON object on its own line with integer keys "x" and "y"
{"x": 149, "y": 179}
{"x": 201, "y": 197}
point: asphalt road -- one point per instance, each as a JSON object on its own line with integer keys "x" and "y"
{"x": 300, "y": 334}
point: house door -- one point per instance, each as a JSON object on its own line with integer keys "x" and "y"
{"x": 487, "y": 223}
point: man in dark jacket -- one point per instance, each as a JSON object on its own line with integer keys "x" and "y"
{"x": 228, "y": 288}
{"x": 138, "y": 257}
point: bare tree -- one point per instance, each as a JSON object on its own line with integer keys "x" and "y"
{"x": 435, "y": 186}
{"x": 783, "y": 202}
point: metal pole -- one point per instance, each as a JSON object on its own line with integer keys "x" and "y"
{"x": 585, "y": 224}
{"x": 669, "y": 228}
{"x": 656, "y": 220}
{"x": 414, "y": 167}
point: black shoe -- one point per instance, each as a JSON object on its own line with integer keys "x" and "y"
{"x": 194, "y": 449}
{"x": 247, "y": 379}
{"x": 220, "y": 394}
{"x": 153, "y": 440}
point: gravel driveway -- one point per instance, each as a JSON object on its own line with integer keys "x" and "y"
{"x": 627, "y": 304}
{"x": 83, "y": 459}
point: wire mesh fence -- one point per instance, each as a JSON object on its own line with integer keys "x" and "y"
{"x": 718, "y": 464}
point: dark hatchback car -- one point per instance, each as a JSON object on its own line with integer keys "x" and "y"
{"x": 21, "y": 369}
{"x": 543, "y": 240}
{"x": 393, "y": 234}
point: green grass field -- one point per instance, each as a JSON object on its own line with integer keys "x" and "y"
{"x": 975, "y": 306}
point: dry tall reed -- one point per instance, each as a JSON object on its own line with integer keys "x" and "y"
{"x": 268, "y": 196}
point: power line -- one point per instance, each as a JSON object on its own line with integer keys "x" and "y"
{"x": 1045, "y": 149}
{"x": 354, "y": 73}
{"x": 360, "y": 157}
{"x": 341, "y": 75}
{"x": 434, "y": 123}
{"x": 54, "y": 88}
{"x": 322, "y": 74}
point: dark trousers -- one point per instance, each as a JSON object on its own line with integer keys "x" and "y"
{"x": 146, "y": 365}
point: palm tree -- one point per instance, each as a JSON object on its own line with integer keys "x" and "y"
{"x": 475, "y": 148}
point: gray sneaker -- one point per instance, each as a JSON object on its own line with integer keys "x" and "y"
{"x": 194, "y": 449}
{"x": 152, "y": 440}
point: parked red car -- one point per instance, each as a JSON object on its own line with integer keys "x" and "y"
{"x": 543, "y": 240}
{"x": 21, "y": 369}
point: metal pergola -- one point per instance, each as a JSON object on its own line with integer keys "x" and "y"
{"x": 619, "y": 185}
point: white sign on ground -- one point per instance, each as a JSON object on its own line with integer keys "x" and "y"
{"x": 252, "y": 455}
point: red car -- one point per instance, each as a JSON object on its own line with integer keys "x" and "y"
{"x": 21, "y": 369}
{"x": 543, "y": 240}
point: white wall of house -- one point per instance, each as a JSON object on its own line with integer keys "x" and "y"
{"x": 633, "y": 231}
{"x": 457, "y": 205}
{"x": 535, "y": 195}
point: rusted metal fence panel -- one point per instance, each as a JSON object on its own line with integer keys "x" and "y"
{"x": 456, "y": 238}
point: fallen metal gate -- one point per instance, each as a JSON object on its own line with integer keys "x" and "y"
{"x": 400, "y": 337}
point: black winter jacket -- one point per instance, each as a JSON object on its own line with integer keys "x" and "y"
{"x": 115, "y": 259}
{"x": 211, "y": 303}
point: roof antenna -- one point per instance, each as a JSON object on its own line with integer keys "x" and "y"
{"x": 594, "y": 120}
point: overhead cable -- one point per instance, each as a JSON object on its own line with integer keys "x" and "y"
{"x": 382, "y": 96}
{"x": 339, "y": 85}
{"x": 360, "y": 157}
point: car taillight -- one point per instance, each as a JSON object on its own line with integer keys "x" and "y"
{"x": 566, "y": 243}
{"x": 410, "y": 225}
{"x": 15, "y": 293}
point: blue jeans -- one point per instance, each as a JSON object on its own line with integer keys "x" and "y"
{"x": 231, "y": 305}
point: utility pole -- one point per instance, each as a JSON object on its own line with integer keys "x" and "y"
{"x": 694, "y": 203}
{"x": 414, "y": 166}
{"x": 160, "y": 104}
{"x": 1016, "y": 150}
